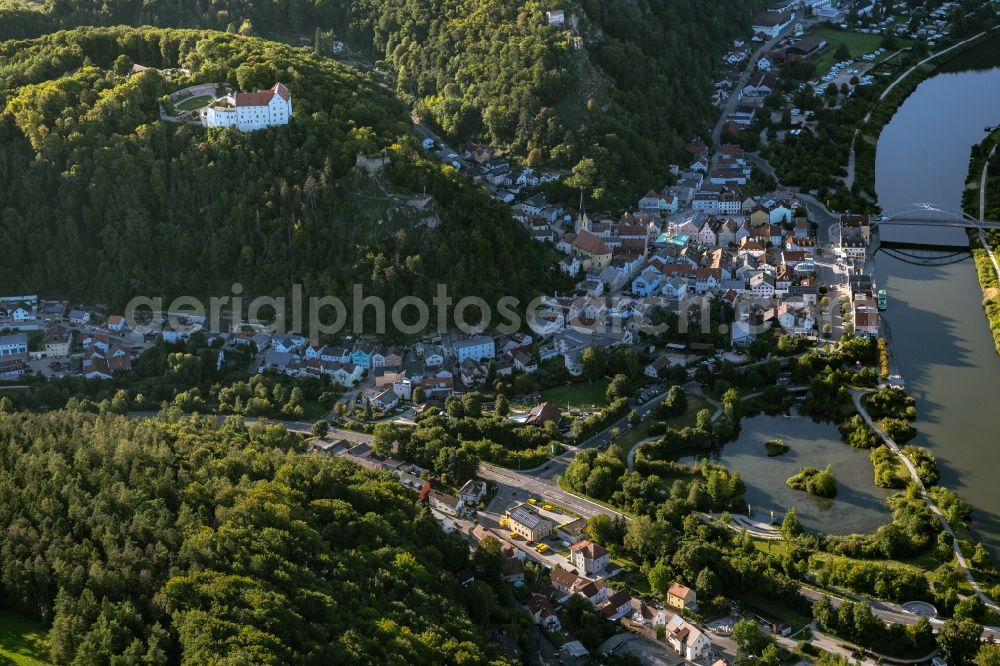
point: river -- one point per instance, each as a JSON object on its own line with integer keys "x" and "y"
{"x": 942, "y": 343}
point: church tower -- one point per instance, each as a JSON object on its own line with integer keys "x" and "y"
{"x": 582, "y": 221}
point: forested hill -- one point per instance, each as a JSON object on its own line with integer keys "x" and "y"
{"x": 102, "y": 200}
{"x": 628, "y": 95}
{"x": 161, "y": 542}
{"x": 626, "y": 87}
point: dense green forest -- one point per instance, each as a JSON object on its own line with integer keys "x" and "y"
{"x": 616, "y": 96}
{"x": 109, "y": 201}
{"x": 164, "y": 542}
{"x": 628, "y": 99}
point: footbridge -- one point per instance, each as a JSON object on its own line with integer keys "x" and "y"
{"x": 931, "y": 215}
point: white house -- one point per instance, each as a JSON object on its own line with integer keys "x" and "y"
{"x": 116, "y": 323}
{"x": 346, "y": 374}
{"x": 79, "y": 317}
{"x": 472, "y": 492}
{"x": 654, "y": 202}
{"x": 647, "y": 282}
{"x": 687, "y": 639}
{"x": 589, "y": 557}
{"x": 570, "y": 265}
{"x": 21, "y": 313}
{"x": 287, "y": 342}
{"x": 335, "y": 354}
{"x": 433, "y": 359}
{"x": 13, "y": 344}
{"x": 385, "y": 400}
{"x": 476, "y": 348}
{"x": 772, "y": 23}
{"x": 250, "y": 111}
{"x": 542, "y": 612}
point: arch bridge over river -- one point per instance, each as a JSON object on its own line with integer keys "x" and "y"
{"x": 931, "y": 215}
{"x": 926, "y": 234}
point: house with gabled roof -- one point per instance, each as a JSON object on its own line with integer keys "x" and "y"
{"x": 250, "y": 111}
{"x": 687, "y": 639}
{"x": 542, "y": 612}
{"x": 589, "y": 557}
{"x": 525, "y": 520}
{"x": 445, "y": 503}
{"x": 593, "y": 592}
{"x": 682, "y": 597}
{"x": 617, "y": 606}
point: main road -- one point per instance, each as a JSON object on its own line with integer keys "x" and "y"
{"x": 515, "y": 487}
{"x": 734, "y": 98}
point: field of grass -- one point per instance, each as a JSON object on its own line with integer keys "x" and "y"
{"x": 794, "y": 618}
{"x": 192, "y": 103}
{"x": 641, "y": 431}
{"x": 577, "y": 396}
{"x": 857, "y": 43}
{"x": 631, "y": 578}
{"x": 23, "y": 641}
{"x": 771, "y": 546}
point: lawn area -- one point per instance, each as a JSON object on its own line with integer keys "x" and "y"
{"x": 793, "y": 617}
{"x": 641, "y": 431}
{"x": 577, "y": 396}
{"x": 771, "y": 546}
{"x": 819, "y": 560}
{"x": 923, "y": 560}
{"x": 23, "y": 641}
{"x": 630, "y": 577}
{"x": 192, "y": 103}
{"x": 857, "y": 43}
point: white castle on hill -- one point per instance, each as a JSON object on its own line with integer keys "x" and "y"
{"x": 250, "y": 111}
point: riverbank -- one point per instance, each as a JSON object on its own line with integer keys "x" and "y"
{"x": 981, "y": 199}
{"x": 925, "y": 496}
{"x": 864, "y": 147}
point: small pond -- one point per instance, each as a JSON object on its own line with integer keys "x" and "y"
{"x": 859, "y": 505}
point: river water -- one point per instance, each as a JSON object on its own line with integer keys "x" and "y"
{"x": 942, "y": 343}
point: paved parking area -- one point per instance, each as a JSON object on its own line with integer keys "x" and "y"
{"x": 650, "y": 653}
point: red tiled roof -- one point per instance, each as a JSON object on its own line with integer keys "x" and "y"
{"x": 590, "y": 550}
{"x": 262, "y": 97}
{"x": 590, "y": 244}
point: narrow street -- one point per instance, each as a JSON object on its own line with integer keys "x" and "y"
{"x": 734, "y": 98}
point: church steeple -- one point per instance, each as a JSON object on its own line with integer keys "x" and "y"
{"x": 582, "y": 221}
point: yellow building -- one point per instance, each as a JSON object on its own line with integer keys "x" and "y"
{"x": 593, "y": 253}
{"x": 760, "y": 216}
{"x": 525, "y": 520}
{"x": 682, "y": 597}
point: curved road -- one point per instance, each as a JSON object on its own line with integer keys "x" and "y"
{"x": 888, "y": 89}
{"x": 856, "y": 395}
{"x": 982, "y": 211}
